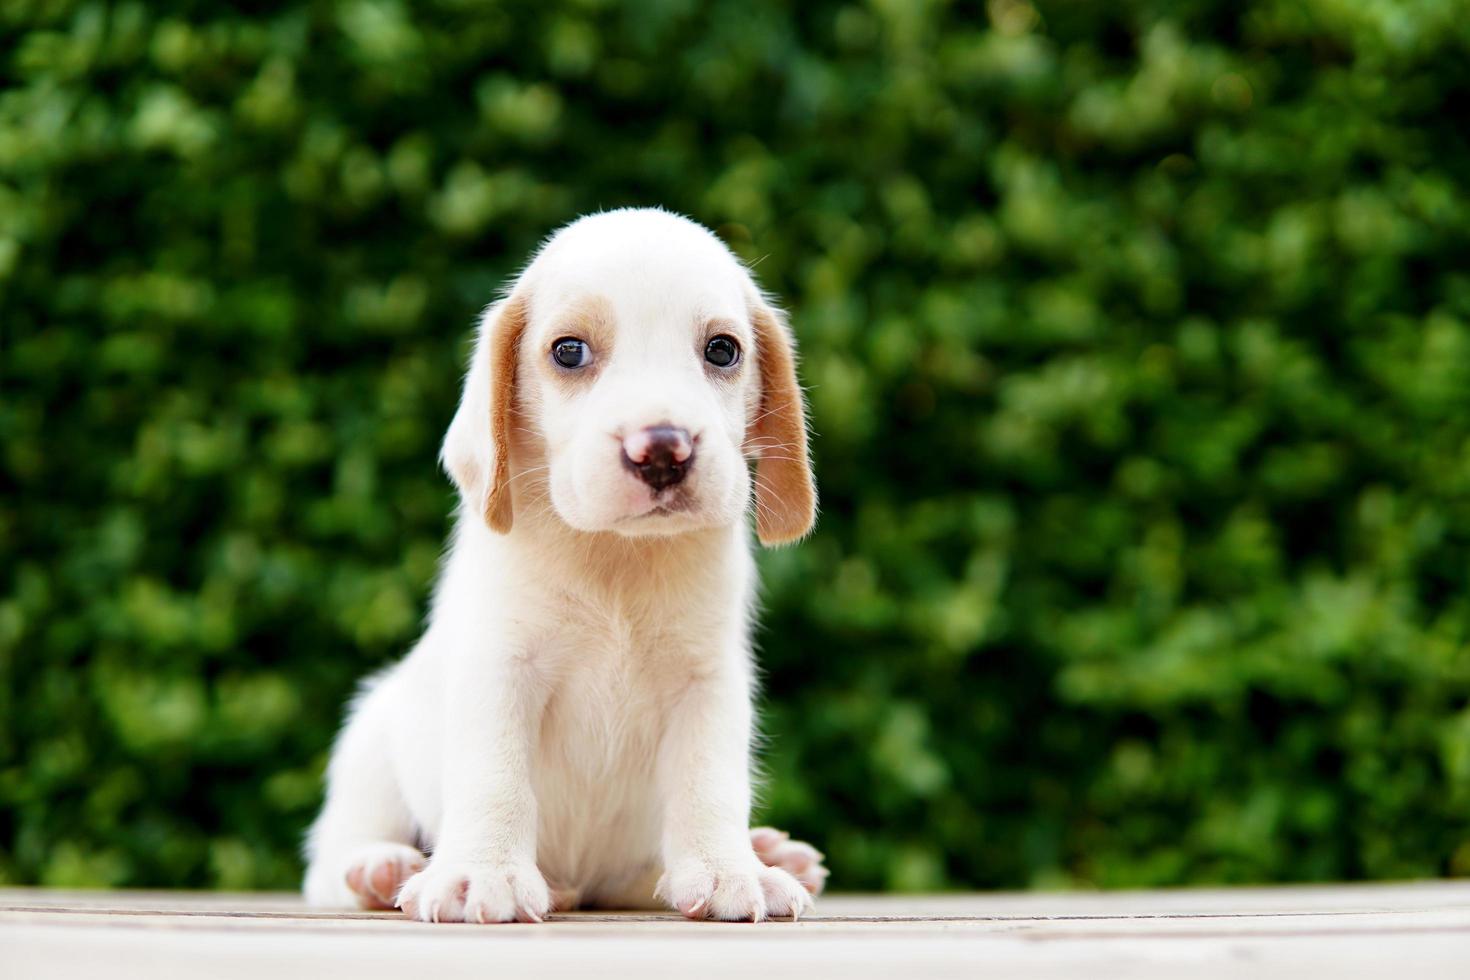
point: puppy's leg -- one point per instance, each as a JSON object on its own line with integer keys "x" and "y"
{"x": 360, "y": 848}
{"x": 710, "y": 866}
{"x": 483, "y": 867}
{"x": 803, "y": 862}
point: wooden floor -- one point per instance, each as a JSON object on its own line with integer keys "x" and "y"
{"x": 1397, "y": 931}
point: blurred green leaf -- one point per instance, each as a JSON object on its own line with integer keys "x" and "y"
{"x": 1136, "y": 338}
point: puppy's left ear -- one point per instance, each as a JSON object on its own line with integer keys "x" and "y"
{"x": 785, "y": 492}
{"x": 476, "y": 449}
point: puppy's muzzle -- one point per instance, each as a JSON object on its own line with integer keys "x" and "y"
{"x": 661, "y": 455}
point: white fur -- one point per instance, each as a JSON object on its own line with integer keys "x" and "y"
{"x": 575, "y": 724}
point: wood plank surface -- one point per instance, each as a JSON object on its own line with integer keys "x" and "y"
{"x": 1409, "y": 930}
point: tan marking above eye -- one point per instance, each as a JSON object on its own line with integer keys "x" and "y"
{"x": 590, "y": 318}
{"x": 715, "y": 326}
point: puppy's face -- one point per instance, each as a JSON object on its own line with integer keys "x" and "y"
{"x": 639, "y": 379}
{"x": 634, "y": 370}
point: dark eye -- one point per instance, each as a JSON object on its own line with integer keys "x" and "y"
{"x": 570, "y": 352}
{"x": 722, "y": 351}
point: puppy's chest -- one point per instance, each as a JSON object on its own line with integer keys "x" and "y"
{"x": 596, "y": 758}
{"x": 613, "y": 680}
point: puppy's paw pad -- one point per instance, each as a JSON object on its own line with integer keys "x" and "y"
{"x": 476, "y": 892}
{"x": 803, "y": 862}
{"x": 377, "y": 871}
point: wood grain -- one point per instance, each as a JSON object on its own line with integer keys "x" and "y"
{"x": 1418, "y": 930}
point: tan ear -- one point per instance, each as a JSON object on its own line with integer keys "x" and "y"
{"x": 476, "y": 451}
{"x": 785, "y": 493}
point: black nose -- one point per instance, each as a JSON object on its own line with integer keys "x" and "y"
{"x": 661, "y": 455}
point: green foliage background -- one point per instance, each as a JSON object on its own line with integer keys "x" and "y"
{"x": 1138, "y": 337}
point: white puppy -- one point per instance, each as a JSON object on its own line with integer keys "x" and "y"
{"x": 574, "y": 728}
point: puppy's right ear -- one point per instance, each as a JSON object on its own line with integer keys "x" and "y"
{"x": 476, "y": 451}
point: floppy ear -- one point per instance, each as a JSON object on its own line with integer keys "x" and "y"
{"x": 476, "y": 451}
{"x": 786, "y": 496}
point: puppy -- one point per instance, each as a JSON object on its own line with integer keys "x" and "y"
{"x": 574, "y": 727}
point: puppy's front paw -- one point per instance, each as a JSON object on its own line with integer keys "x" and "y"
{"x": 466, "y": 891}
{"x": 376, "y": 871}
{"x": 742, "y": 891}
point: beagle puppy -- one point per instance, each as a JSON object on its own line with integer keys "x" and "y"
{"x": 574, "y": 727}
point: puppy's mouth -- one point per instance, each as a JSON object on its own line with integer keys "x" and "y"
{"x": 665, "y": 503}
{"x": 672, "y": 502}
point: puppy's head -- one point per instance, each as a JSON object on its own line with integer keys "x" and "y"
{"x": 626, "y": 380}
